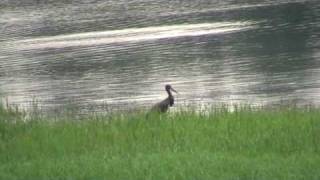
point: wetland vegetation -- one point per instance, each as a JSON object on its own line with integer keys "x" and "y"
{"x": 246, "y": 143}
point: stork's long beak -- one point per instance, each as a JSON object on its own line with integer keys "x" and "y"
{"x": 174, "y": 90}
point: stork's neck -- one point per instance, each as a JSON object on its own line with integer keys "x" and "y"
{"x": 169, "y": 92}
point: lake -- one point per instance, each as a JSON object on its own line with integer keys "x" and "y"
{"x": 118, "y": 54}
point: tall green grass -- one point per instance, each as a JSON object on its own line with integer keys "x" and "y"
{"x": 219, "y": 144}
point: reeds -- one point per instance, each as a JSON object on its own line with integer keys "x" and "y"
{"x": 217, "y": 144}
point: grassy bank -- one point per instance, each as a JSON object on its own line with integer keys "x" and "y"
{"x": 245, "y": 144}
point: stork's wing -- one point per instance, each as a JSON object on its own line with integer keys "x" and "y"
{"x": 161, "y": 106}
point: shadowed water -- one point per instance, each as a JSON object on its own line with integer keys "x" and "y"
{"x": 120, "y": 54}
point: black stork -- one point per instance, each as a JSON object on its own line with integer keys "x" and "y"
{"x": 163, "y": 105}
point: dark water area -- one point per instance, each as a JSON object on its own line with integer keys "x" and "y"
{"x": 119, "y": 54}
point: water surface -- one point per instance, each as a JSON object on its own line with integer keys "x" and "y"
{"x": 120, "y": 54}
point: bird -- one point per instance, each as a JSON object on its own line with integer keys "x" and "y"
{"x": 162, "y": 106}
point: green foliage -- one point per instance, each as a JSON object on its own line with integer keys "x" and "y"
{"x": 219, "y": 144}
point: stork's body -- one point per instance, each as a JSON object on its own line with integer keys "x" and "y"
{"x": 166, "y": 103}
